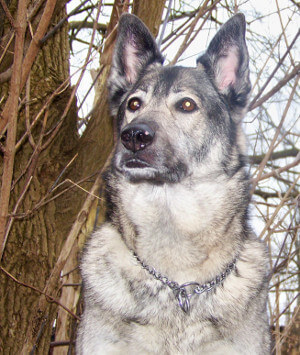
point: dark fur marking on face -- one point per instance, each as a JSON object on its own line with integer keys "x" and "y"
{"x": 166, "y": 81}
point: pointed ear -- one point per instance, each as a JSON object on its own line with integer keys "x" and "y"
{"x": 135, "y": 49}
{"x": 227, "y": 63}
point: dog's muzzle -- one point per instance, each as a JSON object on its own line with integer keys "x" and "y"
{"x": 137, "y": 136}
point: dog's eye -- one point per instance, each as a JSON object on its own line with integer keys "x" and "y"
{"x": 187, "y": 105}
{"x": 134, "y": 104}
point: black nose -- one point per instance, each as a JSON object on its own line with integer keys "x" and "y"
{"x": 137, "y": 136}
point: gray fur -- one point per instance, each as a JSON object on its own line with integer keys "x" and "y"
{"x": 180, "y": 202}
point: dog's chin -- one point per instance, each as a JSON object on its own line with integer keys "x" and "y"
{"x": 137, "y": 170}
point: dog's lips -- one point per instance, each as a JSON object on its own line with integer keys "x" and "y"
{"x": 136, "y": 163}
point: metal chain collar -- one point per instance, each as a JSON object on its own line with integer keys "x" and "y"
{"x": 181, "y": 292}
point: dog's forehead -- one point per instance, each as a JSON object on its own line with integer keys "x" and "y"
{"x": 165, "y": 80}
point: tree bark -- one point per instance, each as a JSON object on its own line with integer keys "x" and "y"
{"x": 36, "y": 235}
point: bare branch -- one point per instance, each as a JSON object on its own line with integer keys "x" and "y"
{"x": 276, "y": 88}
{"x": 7, "y": 13}
{"x": 84, "y": 24}
{"x": 274, "y": 71}
{"x": 272, "y": 144}
{"x": 257, "y": 159}
{"x": 204, "y": 9}
{"x": 10, "y": 116}
{"x": 31, "y": 53}
{"x": 278, "y": 171}
{"x": 48, "y": 297}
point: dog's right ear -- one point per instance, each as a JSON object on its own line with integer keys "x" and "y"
{"x": 135, "y": 49}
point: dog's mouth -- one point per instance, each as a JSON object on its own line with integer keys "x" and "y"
{"x": 136, "y": 164}
{"x": 137, "y": 170}
{"x": 146, "y": 167}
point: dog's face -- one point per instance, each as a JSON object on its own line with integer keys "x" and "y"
{"x": 174, "y": 120}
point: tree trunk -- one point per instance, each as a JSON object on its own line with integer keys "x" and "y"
{"x": 36, "y": 234}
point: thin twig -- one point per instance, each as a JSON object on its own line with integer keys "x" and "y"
{"x": 186, "y": 42}
{"x": 48, "y": 297}
{"x": 278, "y": 171}
{"x": 272, "y": 144}
{"x": 17, "y": 204}
{"x": 44, "y": 201}
{"x": 276, "y": 88}
{"x": 62, "y": 173}
{"x": 7, "y": 46}
{"x": 164, "y": 26}
{"x": 31, "y": 53}
{"x": 283, "y": 30}
{"x": 57, "y": 92}
{"x": 7, "y": 13}
{"x": 279, "y": 206}
{"x": 60, "y": 24}
{"x": 10, "y": 116}
{"x": 287, "y": 307}
{"x": 275, "y": 70}
{"x": 262, "y": 68}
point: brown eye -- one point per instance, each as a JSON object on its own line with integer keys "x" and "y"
{"x": 134, "y": 104}
{"x": 187, "y": 105}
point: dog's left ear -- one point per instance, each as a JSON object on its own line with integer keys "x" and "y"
{"x": 227, "y": 63}
{"x": 135, "y": 49}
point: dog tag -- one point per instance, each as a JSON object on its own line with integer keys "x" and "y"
{"x": 183, "y": 299}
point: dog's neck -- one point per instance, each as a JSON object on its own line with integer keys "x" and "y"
{"x": 165, "y": 230}
{"x": 187, "y": 290}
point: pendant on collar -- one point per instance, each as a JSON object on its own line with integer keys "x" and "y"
{"x": 184, "y": 292}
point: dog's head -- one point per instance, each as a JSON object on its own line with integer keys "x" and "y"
{"x": 171, "y": 119}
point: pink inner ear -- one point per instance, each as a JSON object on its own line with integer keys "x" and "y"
{"x": 131, "y": 62}
{"x": 227, "y": 68}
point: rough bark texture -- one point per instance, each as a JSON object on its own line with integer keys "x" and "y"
{"x": 150, "y": 12}
{"x": 34, "y": 241}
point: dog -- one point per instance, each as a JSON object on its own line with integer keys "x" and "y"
{"x": 176, "y": 268}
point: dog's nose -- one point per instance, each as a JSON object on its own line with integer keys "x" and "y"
{"x": 137, "y": 136}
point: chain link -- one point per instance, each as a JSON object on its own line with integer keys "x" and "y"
{"x": 181, "y": 291}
